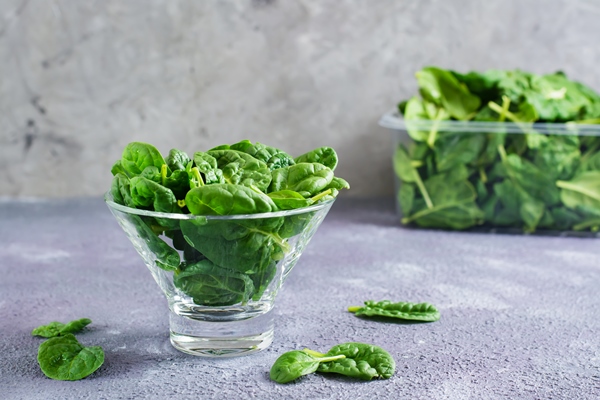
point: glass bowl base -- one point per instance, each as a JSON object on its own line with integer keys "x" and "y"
{"x": 220, "y": 347}
{"x": 221, "y": 338}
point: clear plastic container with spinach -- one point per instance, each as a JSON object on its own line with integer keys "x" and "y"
{"x": 500, "y": 150}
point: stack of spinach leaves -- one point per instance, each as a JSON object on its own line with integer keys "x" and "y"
{"x": 535, "y": 178}
{"x": 224, "y": 261}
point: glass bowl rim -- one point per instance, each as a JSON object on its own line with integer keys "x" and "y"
{"x": 284, "y": 213}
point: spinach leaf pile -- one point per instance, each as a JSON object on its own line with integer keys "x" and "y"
{"x": 221, "y": 262}
{"x": 531, "y": 180}
{"x": 356, "y": 360}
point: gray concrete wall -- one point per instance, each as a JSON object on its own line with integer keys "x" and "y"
{"x": 80, "y": 79}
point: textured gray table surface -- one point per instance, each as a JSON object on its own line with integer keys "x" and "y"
{"x": 520, "y": 314}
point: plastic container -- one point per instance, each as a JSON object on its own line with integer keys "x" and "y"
{"x": 497, "y": 176}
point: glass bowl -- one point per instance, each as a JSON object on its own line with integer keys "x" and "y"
{"x": 220, "y": 274}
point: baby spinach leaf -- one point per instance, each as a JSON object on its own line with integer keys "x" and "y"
{"x": 417, "y": 109}
{"x": 264, "y": 275}
{"x": 64, "y": 358}
{"x": 481, "y": 189}
{"x": 338, "y": 184}
{"x": 481, "y": 85}
{"x": 489, "y": 207}
{"x": 289, "y": 200}
{"x": 294, "y": 224}
{"x": 121, "y": 190}
{"x": 408, "y": 173}
{"x": 406, "y": 198}
{"x": 177, "y": 160}
{"x": 178, "y": 182}
{"x": 441, "y": 87}
{"x": 59, "y": 329}
{"x": 210, "y": 285}
{"x": 362, "y": 361}
{"x": 401, "y": 310}
{"x": 322, "y": 155}
{"x": 117, "y": 168}
{"x": 280, "y": 160}
{"x": 511, "y": 84}
{"x": 273, "y": 157}
{"x": 519, "y": 205}
{"x": 308, "y": 179}
{"x": 227, "y": 199}
{"x": 137, "y": 156}
{"x": 458, "y": 149}
{"x": 294, "y": 364}
{"x": 564, "y": 219}
{"x": 453, "y": 202}
{"x": 242, "y": 169}
{"x": 247, "y": 246}
{"x": 556, "y": 98}
{"x": 581, "y": 191}
{"x": 531, "y": 179}
{"x": 558, "y": 156}
{"x": 207, "y": 166}
{"x": 152, "y": 173}
{"x": 590, "y": 161}
{"x": 146, "y": 193}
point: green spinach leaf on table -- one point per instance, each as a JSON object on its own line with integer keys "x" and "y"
{"x": 59, "y": 329}
{"x": 64, "y": 358}
{"x": 362, "y": 361}
{"x": 400, "y": 310}
{"x": 294, "y": 364}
